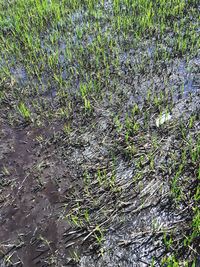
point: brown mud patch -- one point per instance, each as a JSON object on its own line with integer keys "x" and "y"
{"x": 31, "y": 232}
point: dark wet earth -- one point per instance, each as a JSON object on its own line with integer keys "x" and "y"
{"x": 36, "y": 184}
{"x": 41, "y": 181}
{"x": 30, "y": 204}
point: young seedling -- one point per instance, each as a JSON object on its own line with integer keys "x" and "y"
{"x": 24, "y": 112}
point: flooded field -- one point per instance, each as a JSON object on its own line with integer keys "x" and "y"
{"x": 99, "y": 133}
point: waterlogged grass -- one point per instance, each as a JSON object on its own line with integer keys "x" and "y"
{"x": 76, "y": 62}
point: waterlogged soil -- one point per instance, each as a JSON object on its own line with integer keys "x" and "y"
{"x": 70, "y": 190}
{"x": 41, "y": 182}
